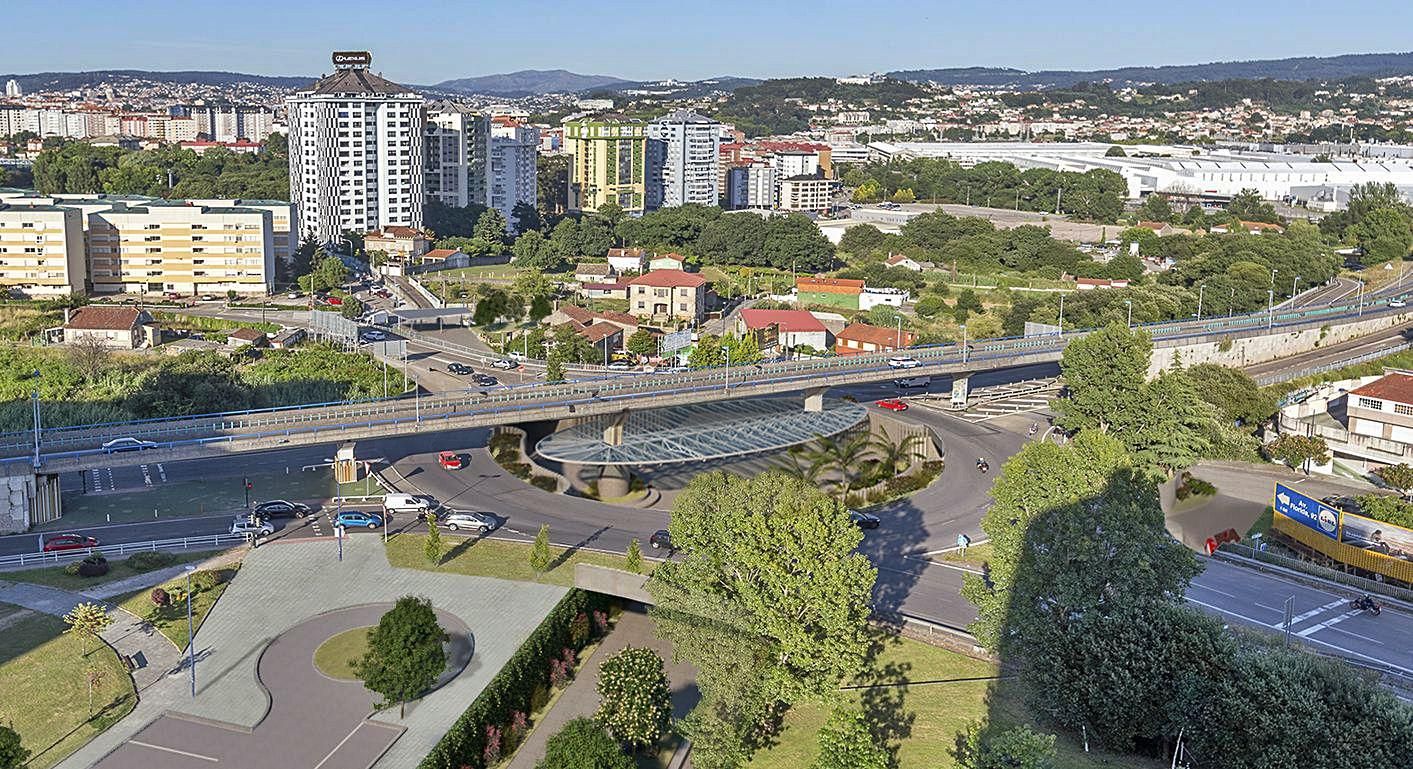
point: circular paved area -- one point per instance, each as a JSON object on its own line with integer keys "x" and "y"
{"x": 313, "y": 722}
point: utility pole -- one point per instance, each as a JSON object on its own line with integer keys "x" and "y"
{"x": 1200, "y": 290}
{"x": 1270, "y": 309}
{"x": 1062, "y": 313}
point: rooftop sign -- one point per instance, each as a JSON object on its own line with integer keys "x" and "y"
{"x": 352, "y": 58}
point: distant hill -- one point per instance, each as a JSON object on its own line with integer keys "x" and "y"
{"x": 1302, "y": 68}
{"x": 67, "y": 81}
{"x": 529, "y": 82}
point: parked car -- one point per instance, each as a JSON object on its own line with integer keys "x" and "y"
{"x": 258, "y": 527}
{"x": 620, "y": 365}
{"x": 281, "y": 508}
{"x": 863, "y": 520}
{"x": 903, "y": 361}
{"x": 373, "y": 335}
{"x": 912, "y": 381}
{"x": 504, "y": 363}
{"x": 1398, "y": 304}
{"x": 484, "y": 380}
{"x": 208, "y": 297}
{"x": 61, "y": 542}
{"x": 127, "y": 444}
{"x": 460, "y": 369}
{"x": 892, "y": 404}
{"x": 333, "y": 301}
{"x": 358, "y": 519}
{"x": 661, "y": 539}
{"x": 171, "y": 295}
{"x": 405, "y": 503}
{"x": 456, "y": 520}
{"x": 450, "y": 460}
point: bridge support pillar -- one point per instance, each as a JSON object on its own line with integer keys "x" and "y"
{"x": 613, "y": 482}
{"x": 613, "y": 430}
{"x": 960, "y": 390}
{"x": 814, "y": 399}
{"x": 27, "y": 499}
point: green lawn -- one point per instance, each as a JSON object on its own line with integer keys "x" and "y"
{"x": 43, "y": 688}
{"x": 494, "y": 558}
{"x": 170, "y": 621}
{"x": 1262, "y": 525}
{"x": 334, "y": 657}
{"x": 923, "y": 719}
{"x": 55, "y": 576}
{"x": 975, "y": 556}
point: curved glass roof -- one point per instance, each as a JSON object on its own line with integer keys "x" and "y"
{"x": 701, "y": 432}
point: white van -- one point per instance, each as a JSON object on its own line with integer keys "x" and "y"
{"x": 913, "y": 381}
{"x": 404, "y": 503}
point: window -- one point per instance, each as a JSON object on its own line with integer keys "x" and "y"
{"x": 1371, "y": 403}
{"x": 1403, "y": 408}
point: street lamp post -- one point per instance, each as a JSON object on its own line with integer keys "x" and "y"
{"x": 1200, "y": 291}
{"x": 1270, "y": 308}
{"x": 964, "y": 342}
{"x": 1129, "y": 303}
{"x": 1062, "y": 313}
{"x": 1361, "y": 299}
{"x": 1231, "y": 305}
{"x": 35, "y": 397}
{"x": 898, "y": 342}
{"x": 1293, "y": 284}
{"x": 190, "y": 631}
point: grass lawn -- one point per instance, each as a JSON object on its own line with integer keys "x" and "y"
{"x": 975, "y": 556}
{"x": 1262, "y": 525}
{"x": 334, "y": 657}
{"x": 55, "y": 576}
{"x": 494, "y": 558}
{"x": 43, "y": 688}
{"x": 923, "y": 719}
{"x": 171, "y": 620}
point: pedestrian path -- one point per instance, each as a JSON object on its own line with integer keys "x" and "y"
{"x": 581, "y": 698}
{"x": 160, "y": 576}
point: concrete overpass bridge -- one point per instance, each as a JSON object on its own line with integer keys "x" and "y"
{"x": 1239, "y": 340}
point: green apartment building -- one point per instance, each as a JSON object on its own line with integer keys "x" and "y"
{"x": 610, "y": 162}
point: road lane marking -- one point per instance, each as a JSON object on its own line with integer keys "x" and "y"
{"x": 1356, "y": 635}
{"x": 1190, "y": 599}
{"x": 331, "y": 753}
{"x": 1311, "y": 639}
{"x": 1307, "y": 615}
{"x": 1214, "y": 590}
{"x": 1329, "y": 623}
{"x": 166, "y": 749}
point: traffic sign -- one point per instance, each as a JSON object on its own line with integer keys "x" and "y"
{"x": 1307, "y": 511}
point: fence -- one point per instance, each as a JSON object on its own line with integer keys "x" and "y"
{"x": 203, "y": 542}
{"x": 1286, "y": 376}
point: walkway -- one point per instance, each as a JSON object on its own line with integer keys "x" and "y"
{"x": 581, "y": 698}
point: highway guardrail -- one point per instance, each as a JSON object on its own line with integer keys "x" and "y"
{"x": 202, "y": 542}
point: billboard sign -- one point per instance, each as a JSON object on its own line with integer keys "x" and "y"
{"x": 677, "y": 340}
{"x": 352, "y": 58}
{"x": 1377, "y": 536}
{"x": 1307, "y": 511}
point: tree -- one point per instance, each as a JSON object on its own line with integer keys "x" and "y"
{"x": 351, "y": 308}
{"x": 540, "y": 550}
{"x": 93, "y": 676}
{"x": 493, "y": 305}
{"x": 1397, "y": 477}
{"x": 89, "y": 356}
{"x": 904, "y": 195}
{"x": 13, "y": 754}
{"x": 1233, "y": 392}
{"x": 525, "y": 218}
{"x": 1384, "y": 234}
{"x": 582, "y": 744}
{"x": 861, "y": 239}
{"x": 554, "y": 368}
{"x": 490, "y": 227}
{"x": 1104, "y": 372}
{"x": 1017, "y": 748}
{"x": 87, "y": 620}
{"x": 634, "y": 560}
{"x": 433, "y": 548}
{"x": 533, "y": 251}
{"x": 1172, "y": 430}
{"x": 868, "y": 192}
{"x": 642, "y": 343}
{"x": 1155, "y": 208}
{"x": 845, "y": 742}
{"x": 707, "y": 352}
{"x": 1249, "y": 206}
{"x": 540, "y": 308}
{"x": 405, "y": 654}
{"x": 1297, "y": 451}
{"x": 635, "y": 698}
{"x": 1039, "y": 476}
{"x": 845, "y": 457}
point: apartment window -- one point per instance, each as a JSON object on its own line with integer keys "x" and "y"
{"x": 1371, "y": 403}
{"x": 1403, "y": 408}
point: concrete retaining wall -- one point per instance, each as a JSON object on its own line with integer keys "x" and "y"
{"x": 1247, "y": 351}
{"x": 601, "y": 579}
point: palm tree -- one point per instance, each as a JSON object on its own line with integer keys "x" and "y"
{"x": 896, "y": 455}
{"x": 845, "y": 456}
{"x": 797, "y": 464}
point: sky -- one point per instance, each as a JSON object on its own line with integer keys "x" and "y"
{"x": 422, "y": 42}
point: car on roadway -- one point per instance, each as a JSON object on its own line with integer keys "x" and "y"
{"x": 171, "y": 295}
{"x": 661, "y": 539}
{"x": 350, "y": 519}
{"x": 892, "y": 404}
{"x": 505, "y": 364}
{"x": 460, "y": 369}
{"x": 127, "y": 444}
{"x": 249, "y": 525}
{"x": 208, "y": 297}
{"x": 281, "y": 508}
{"x": 863, "y": 520}
{"x": 62, "y": 542}
{"x": 484, "y": 380}
{"x": 450, "y": 460}
{"x": 373, "y": 335}
{"x": 1397, "y": 304}
{"x": 405, "y": 503}
{"x": 903, "y": 361}
{"x": 333, "y": 301}
{"x": 456, "y": 520}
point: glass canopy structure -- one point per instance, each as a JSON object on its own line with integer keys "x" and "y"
{"x": 700, "y": 432}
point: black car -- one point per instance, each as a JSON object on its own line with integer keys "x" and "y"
{"x": 458, "y": 368}
{"x": 863, "y": 520}
{"x": 280, "y": 508}
{"x": 484, "y": 380}
{"x": 661, "y": 539}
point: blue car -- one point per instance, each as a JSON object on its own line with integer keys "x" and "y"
{"x": 353, "y": 518}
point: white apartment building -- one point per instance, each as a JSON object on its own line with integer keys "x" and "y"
{"x": 355, "y": 152}
{"x": 684, "y": 156}
{"x": 805, "y": 193}
{"x": 790, "y": 163}
{"x": 41, "y": 250}
{"x": 752, "y": 186}
{"x": 458, "y": 149}
{"x": 228, "y": 123}
{"x": 514, "y": 153}
{"x": 13, "y": 89}
{"x": 192, "y": 249}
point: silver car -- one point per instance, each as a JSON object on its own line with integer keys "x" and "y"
{"x": 456, "y": 520}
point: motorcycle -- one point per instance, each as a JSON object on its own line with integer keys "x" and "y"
{"x": 1031, "y": 432}
{"x": 1367, "y": 603}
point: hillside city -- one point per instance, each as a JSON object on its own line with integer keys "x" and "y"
{"x": 971, "y": 418}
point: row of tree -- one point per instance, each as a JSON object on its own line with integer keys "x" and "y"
{"x": 1097, "y": 195}
{"x": 166, "y": 172}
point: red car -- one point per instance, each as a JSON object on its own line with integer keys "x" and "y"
{"x": 450, "y": 460}
{"x": 333, "y": 301}
{"x": 892, "y": 404}
{"x": 61, "y": 542}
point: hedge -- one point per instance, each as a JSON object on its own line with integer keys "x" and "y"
{"x": 512, "y": 688}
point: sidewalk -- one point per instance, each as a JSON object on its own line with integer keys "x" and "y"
{"x": 581, "y": 698}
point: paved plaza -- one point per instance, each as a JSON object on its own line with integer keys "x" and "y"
{"x": 256, "y": 677}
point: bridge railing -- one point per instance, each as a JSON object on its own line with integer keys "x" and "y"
{"x": 203, "y": 542}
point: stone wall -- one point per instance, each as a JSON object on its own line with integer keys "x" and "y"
{"x": 27, "y": 499}
{"x": 1229, "y": 351}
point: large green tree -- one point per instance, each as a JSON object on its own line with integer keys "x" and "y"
{"x": 13, "y": 754}
{"x": 635, "y": 698}
{"x": 846, "y": 742}
{"x": 1104, "y": 373}
{"x": 1384, "y": 234}
{"x": 582, "y": 744}
{"x": 405, "y": 653}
